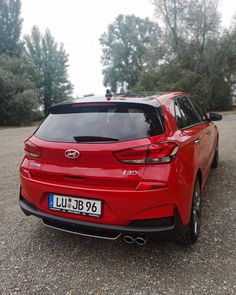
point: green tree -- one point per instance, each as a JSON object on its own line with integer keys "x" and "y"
{"x": 199, "y": 55}
{"x": 18, "y": 95}
{"x": 124, "y": 48}
{"x": 48, "y": 63}
{"x": 10, "y": 27}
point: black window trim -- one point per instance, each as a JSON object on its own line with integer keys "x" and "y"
{"x": 160, "y": 117}
{"x": 176, "y": 102}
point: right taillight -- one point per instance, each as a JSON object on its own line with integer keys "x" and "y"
{"x": 32, "y": 150}
{"x": 157, "y": 153}
{"x": 162, "y": 152}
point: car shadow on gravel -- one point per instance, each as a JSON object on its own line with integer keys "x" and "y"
{"x": 118, "y": 251}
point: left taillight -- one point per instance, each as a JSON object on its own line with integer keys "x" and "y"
{"x": 32, "y": 150}
{"x": 158, "y": 153}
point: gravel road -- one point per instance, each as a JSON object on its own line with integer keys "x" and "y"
{"x": 38, "y": 260}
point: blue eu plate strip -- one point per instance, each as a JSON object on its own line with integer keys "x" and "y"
{"x": 50, "y": 200}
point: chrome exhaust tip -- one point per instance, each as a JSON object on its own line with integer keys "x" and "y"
{"x": 129, "y": 239}
{"x": 140, "y": 241}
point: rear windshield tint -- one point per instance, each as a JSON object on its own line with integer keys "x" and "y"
{"x": 101, "y": 122}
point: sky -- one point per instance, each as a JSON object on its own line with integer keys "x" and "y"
{"x": 78, "y": 24}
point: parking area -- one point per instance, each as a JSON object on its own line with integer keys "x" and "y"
{"x": 38, "y": 260}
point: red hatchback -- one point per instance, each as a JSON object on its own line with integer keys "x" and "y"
{"x": 126, "y": 166}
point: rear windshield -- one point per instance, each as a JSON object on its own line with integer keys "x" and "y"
{"x": 101, "y": 122}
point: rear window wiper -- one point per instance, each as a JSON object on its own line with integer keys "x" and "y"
{"x": 94, "y": 139}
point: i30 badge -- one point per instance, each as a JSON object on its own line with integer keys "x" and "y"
{"x": 72, "y": 154}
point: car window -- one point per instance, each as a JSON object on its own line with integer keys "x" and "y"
{"x": 122, "y": 121}
{"x": 186, "y": 111}
{"x": 201, "y": 114}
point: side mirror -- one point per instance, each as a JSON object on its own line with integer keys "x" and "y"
{"x": 215, "y": 117}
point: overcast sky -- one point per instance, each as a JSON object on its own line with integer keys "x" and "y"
{"x": 79, "y": 24}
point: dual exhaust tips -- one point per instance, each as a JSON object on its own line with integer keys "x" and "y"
{"x": 138, "y": 240}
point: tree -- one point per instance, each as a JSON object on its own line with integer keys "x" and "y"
{"x": 199, "y": 55}
{"x": 18, "y": 95}
{"x": 49, "y": 64}
{"x": 124, "y": 48}
{"x": 188, "y": 25}
{"x": 10, "y": 27}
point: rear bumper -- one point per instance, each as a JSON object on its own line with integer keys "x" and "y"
{"x": 106, "y": 231}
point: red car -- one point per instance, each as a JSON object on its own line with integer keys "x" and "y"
{"x": 121, "y": 166}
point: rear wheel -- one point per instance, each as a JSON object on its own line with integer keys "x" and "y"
{"x": 216, "y": 157}
{"x": 193, "y": 231}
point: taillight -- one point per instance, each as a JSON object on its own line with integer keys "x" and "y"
{"x": 135, "y": 155}
{"x": 162, "y": 152}
{"x": 32, "y": 150}
{"x": 157, "y": 153}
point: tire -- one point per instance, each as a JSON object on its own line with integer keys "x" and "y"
{"x": 216, "y": 157}
{"x": 192, "y": 234}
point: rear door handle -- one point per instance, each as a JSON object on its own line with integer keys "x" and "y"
{"x": 197, "y": 141}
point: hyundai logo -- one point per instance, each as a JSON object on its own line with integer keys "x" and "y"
{"x": 72, "y": 154}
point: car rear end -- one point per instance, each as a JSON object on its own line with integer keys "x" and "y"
{"x": 103, "y": 169}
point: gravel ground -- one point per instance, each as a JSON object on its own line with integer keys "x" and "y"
{"x": 38, "y": 260}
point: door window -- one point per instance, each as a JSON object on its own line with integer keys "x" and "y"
{"x": 185, "y": 113}
{"x": 201, "y": 114}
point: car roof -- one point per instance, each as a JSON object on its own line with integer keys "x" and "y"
{"x": 165, "y": 97}
{"x": 145, "y": 98}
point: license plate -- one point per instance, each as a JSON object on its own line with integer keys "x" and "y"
{"x": 75, "y": 205}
